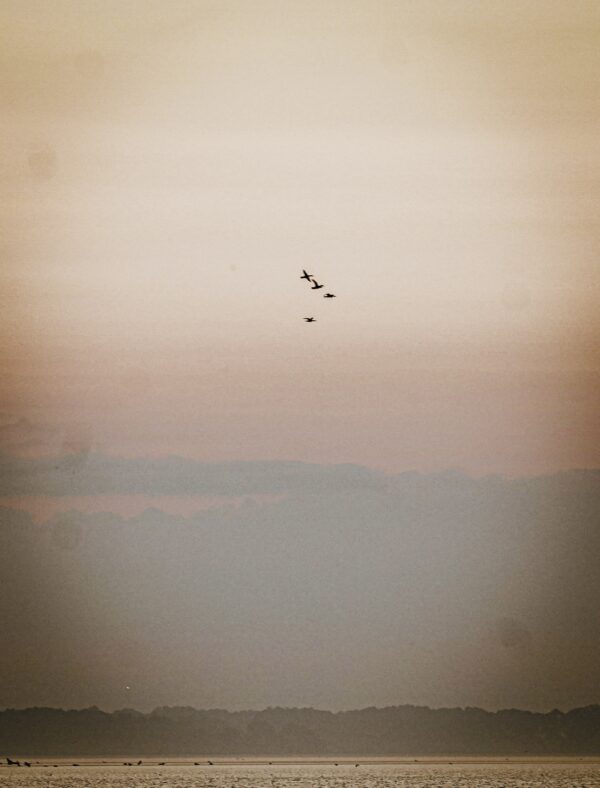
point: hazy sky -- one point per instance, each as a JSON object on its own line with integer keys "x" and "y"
{"x": 169, "y": 168}
{"x": 356, "y": 589}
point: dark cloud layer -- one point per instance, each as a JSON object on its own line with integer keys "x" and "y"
{"x": 438, "y": 589}
{"x": 80, "y": 473}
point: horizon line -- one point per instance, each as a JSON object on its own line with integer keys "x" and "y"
{"x": 128, "y": 709}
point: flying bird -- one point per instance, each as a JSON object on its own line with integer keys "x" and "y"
{"x": 329, "y": 295}
{"x": 316, "y": 285}
{"x": 310, "y": 319}
{"x": 305, "y": 275}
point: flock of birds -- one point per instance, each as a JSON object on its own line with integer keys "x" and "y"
{"x": 10, "y": 762}
{"x": 314, "y": 286}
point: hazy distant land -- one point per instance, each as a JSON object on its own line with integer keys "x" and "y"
{"x": 392, "y": 731}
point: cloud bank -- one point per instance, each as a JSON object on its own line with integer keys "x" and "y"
{"x": 355, "y": 589}
{"x": 79, "y": 473}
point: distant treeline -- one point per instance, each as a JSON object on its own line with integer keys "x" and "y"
{"x": 396, "y": 730}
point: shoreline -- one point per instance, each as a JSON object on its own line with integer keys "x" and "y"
{"x": 202, "y": 761}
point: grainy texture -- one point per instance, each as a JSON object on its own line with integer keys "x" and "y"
{"x": 442, "y": 776}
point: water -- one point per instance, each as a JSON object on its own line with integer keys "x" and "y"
{"x": 547, "y": 775}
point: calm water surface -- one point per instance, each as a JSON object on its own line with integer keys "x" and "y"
{"x": 321, "y": 776}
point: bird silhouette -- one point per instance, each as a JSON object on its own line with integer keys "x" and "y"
{"x": 316, "y": 285}
{"x": 305, "y": 275}
{"x": 329, "y": 295}
{"x": 309, "y": 319}
{"x": 139, "y": 763}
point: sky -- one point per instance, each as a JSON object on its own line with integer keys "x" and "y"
{"x": 355, "y": 589}
{"x": 167, "y": 172}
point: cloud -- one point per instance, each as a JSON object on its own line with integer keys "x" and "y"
{"x": 75, "y": 470}
{"x": 21, "y": 436}
{"x": 22, "y": 439}
{"x": 68, "y": 474}
{"x": 339, "y": 595}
